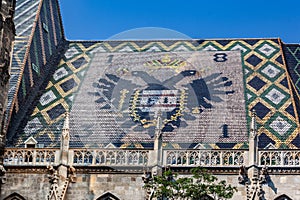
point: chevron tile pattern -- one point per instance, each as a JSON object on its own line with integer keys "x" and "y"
{"x": 26, "y": 11}
{"x": 39, "y": 33}
{"x": 266, "y": 81}
{"x": 293, "y": 64}
{"x": 25, "y": 14}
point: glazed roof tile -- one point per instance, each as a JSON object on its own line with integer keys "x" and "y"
{"x": 114, "y": 90}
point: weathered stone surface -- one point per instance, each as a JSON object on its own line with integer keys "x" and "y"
{"x": 34, "y": 186}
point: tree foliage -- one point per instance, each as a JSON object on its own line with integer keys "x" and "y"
{"x": 197, "y": 187}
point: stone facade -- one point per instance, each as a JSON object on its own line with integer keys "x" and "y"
{"x": 34, "y": 184}
{"x": 91, "y": 120}
{"x": 30, "y": 184}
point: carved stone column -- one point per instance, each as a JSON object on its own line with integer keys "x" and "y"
{"x": 155, "y": 157}
{"x": 7, "y": 35}
{"x": 64, "y": 148}
{"x": 61, "y": 175}
{"x": 253, "y": 147}
{"x": 157, "y": 152}
{"x": 252, "y": 176}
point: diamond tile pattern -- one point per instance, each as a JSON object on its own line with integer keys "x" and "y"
{"x": 239, "y": 48}
{"x": 256, "y": 83}
{"x": 79, "y": 62}
{"x": 71, "y": 52}
{"x": 275, "y": 96}
{"x": 263, "y": 56}
{"x": 265, "y": 140}
{"x": 56, "y": 111}
{"x": 35, "y": 55}
{"x": 290, "y": 110}
{"x": 47, "y": 98}
{"x": 254, "y": 60}
{"x": 271, "y": 71}
{"x": 68, "y": 85}
{"x": 280, "y": 125}
{"x": 292, "y": 55}
{"x": 60, "y": 73}
{"x": 267, "y": 49}
{"x": 261, "y": 110}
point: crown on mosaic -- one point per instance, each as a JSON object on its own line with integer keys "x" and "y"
{"x": 166, "y": 62}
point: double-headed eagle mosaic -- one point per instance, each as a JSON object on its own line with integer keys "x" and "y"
{"x": 137, "y": 99}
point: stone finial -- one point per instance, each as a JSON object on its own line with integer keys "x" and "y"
{"x": 253, "y": 126}
{"x": 65, "y": 132}
{"x": 65, "y": 140}
{"x": 159, "y": 125}
{"x": 159, "y": 120}
{"x": 157, "y": 153}
{"x": 66, "y": 122}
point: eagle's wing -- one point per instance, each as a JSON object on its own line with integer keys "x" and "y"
{"x": 110, "y": 91}
{"x": 203, "y": 92}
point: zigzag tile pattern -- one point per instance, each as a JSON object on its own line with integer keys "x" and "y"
{"x": 25, "y": 14}
{"x": 292, "y": 56}
{"x": 32, "y": 54}
{"x": 19, "y": 49}
{"x": 267, "y": 89}
{"x": 26, "y": 11}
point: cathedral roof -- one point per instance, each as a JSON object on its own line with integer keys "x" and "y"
{"x": 205, "y": 90}
{"x": 33, "y": 20}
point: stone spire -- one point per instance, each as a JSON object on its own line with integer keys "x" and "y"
{"x": 253, "y": 140}
{"x": 158, "y": 135}
{"x": 65, "y": 140}
{"x": 255, "y": 175}
{"x": 66, "y": 122}
{"x": 253, "y": 126}
{"x": 61, "y": 178}
{"x": 156, "y": 155}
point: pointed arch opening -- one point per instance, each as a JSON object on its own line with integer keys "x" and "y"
{"x": 283, "y": 197}
{"x": 206, "y": 197}
{"x": 14, "y": 196}
{"x": 108, "y": 196}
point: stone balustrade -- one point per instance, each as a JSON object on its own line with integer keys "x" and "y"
{"x": 207, "y": 158}
{"x": 91, "y": 157}
{"x": 27, "y": 156}
{"x": 279, "y": 157}
{"x": 109, "y": 157}
{"x": 119, "y": 157}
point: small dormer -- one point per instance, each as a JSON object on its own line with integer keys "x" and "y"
{"x": 110, "y": 146}
{"x": 30, "y": 142}
{"x": 200, "y": 146}
{"x": 270, "y": 146}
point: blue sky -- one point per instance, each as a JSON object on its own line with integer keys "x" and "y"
{"x": 199, "y": 19}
